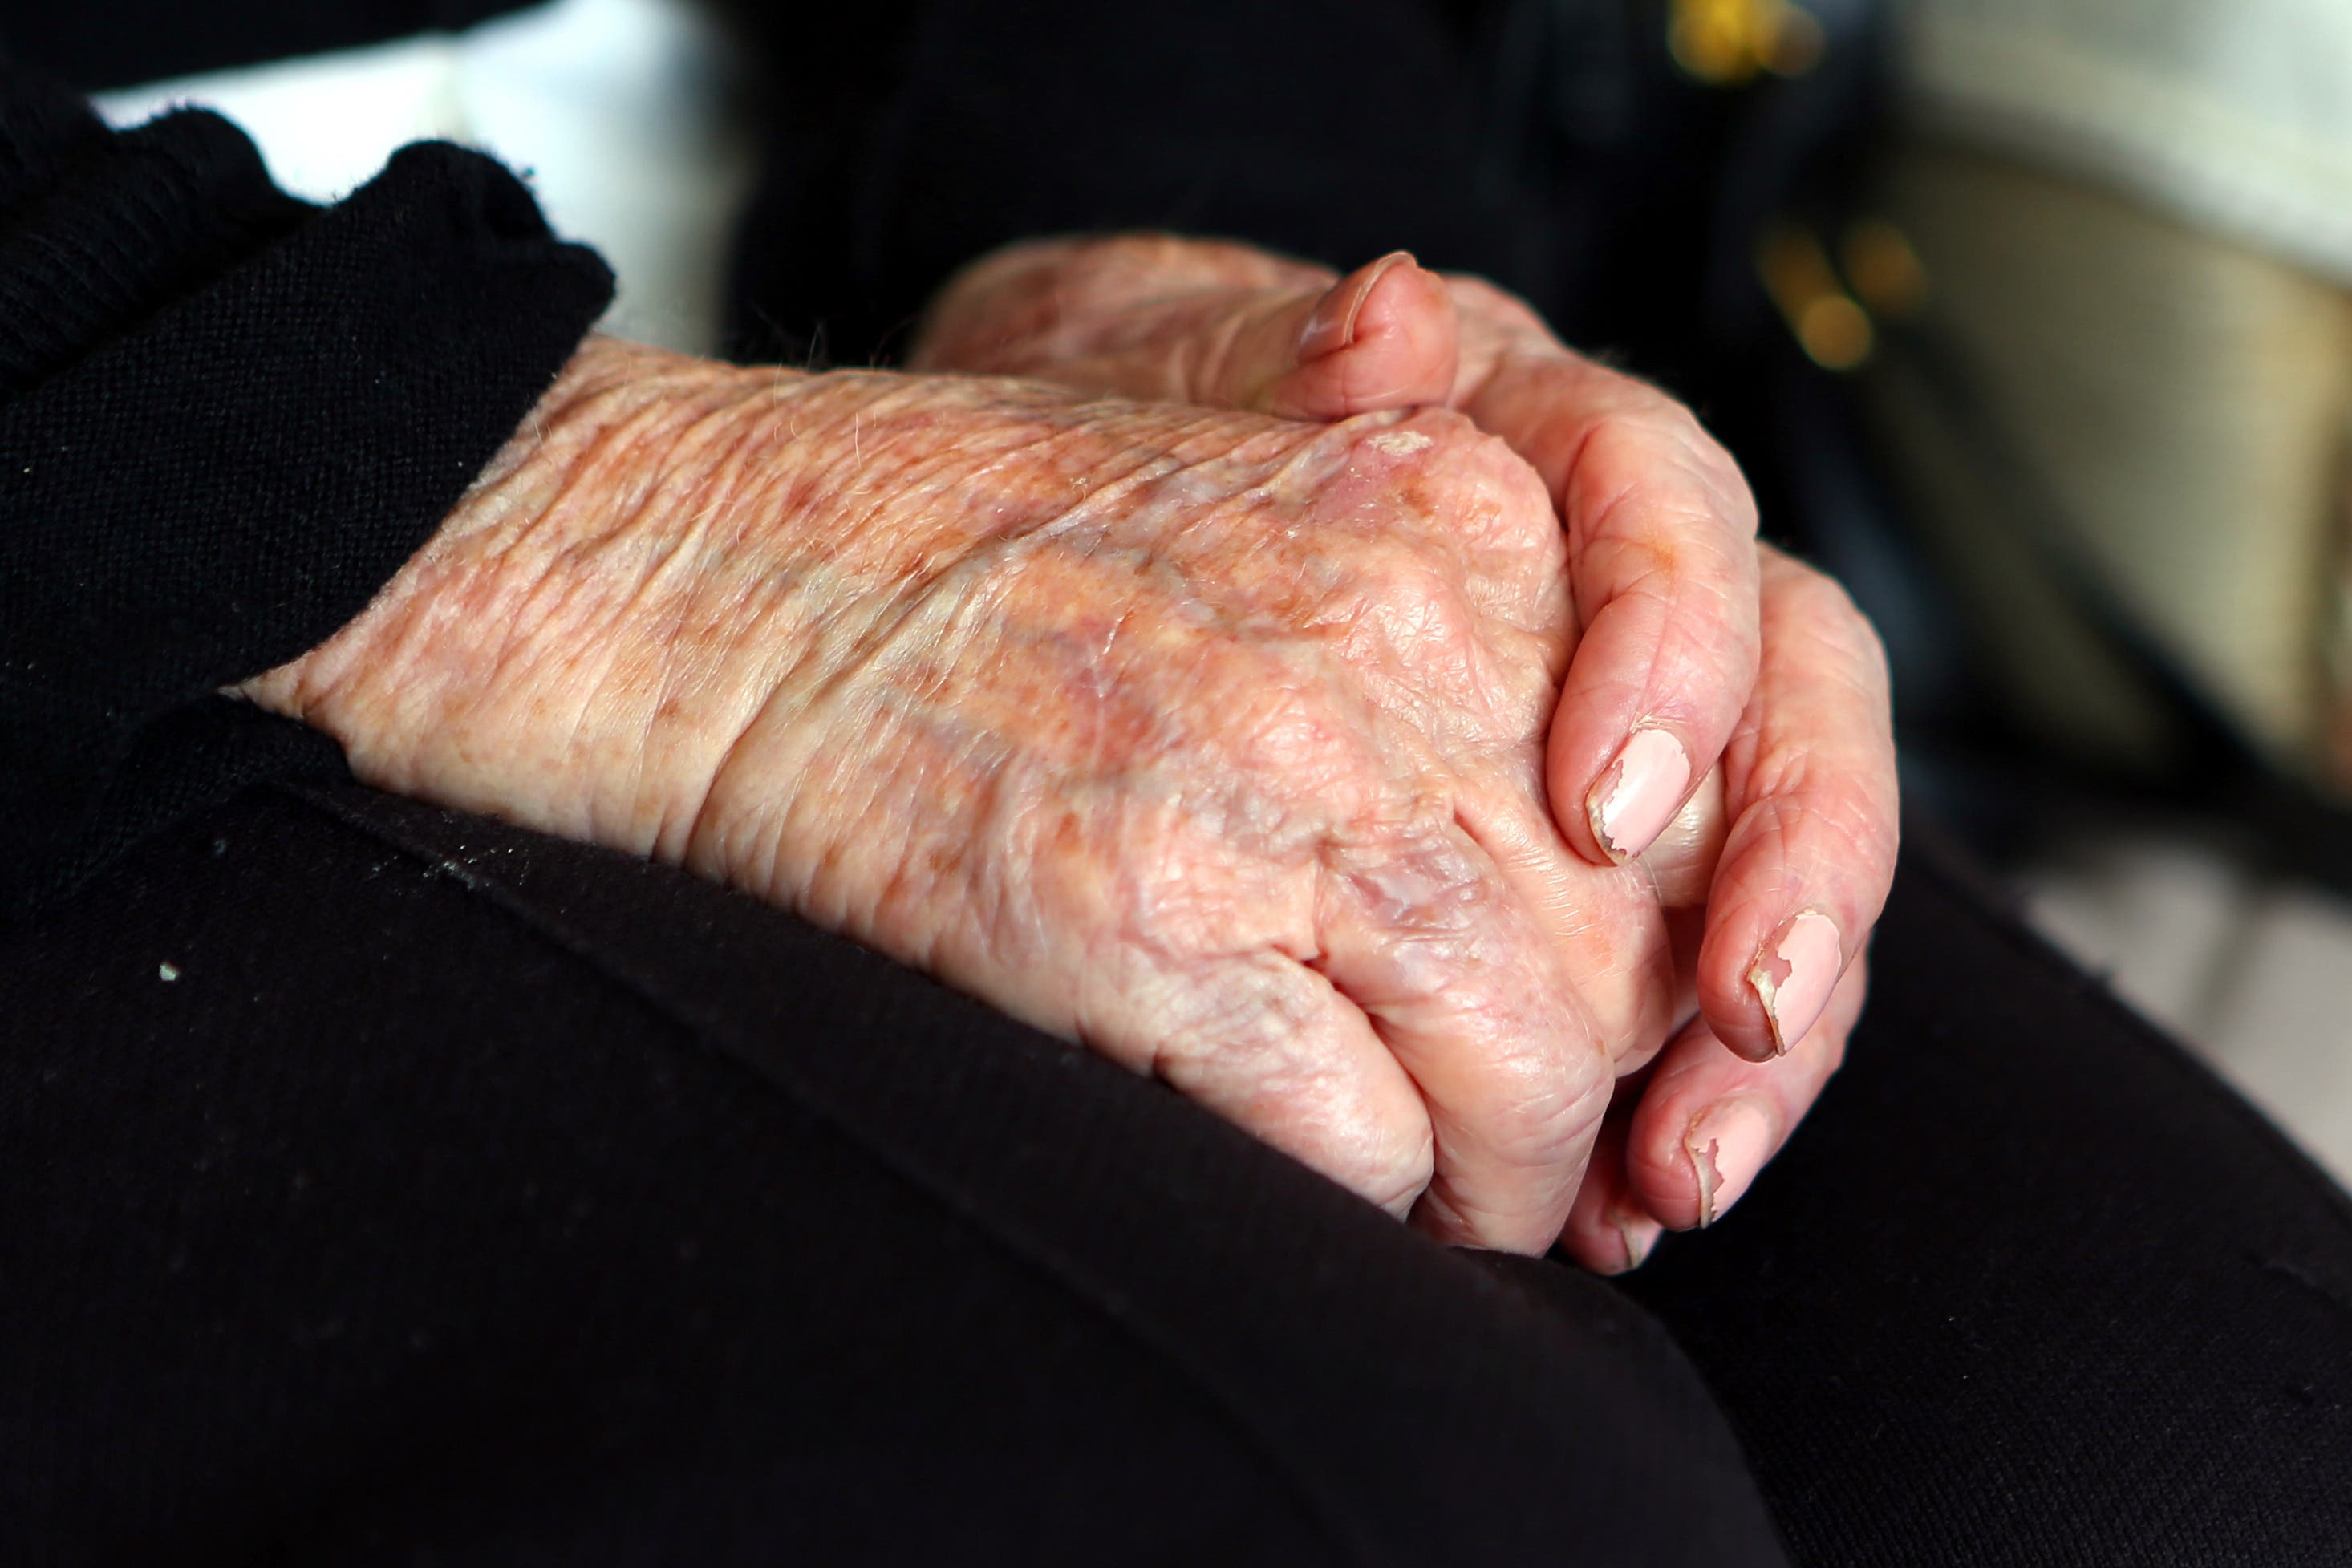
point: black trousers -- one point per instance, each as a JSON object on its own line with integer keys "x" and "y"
{"x": 383, "y": 1185}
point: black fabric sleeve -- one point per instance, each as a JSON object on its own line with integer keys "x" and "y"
{"x": 226, "y": 418}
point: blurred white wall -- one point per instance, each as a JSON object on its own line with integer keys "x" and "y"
{"x": 623, "y": 114}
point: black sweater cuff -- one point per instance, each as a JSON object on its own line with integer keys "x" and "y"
{"x": 226, "y": 419}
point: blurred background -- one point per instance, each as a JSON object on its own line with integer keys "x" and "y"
{"x": 2031, "y": 319}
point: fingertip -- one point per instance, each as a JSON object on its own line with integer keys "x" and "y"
{"x": 1815, "y": 826}
{"x": 1331, "y": 326}
{"x": 1621, "y": 1243}
{"x": 1793, "y": 975}
{"x": 1409, "y": 336}
{"x": 1642, "y": 1233}
{"x": 1709, "y": 1121}
{"x": 1604, "y": 1230}
{"x": 1728, "y": 1146}
{"x": 1383, "y": 337}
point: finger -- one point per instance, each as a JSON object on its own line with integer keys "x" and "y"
{"x": 1270, "y": 1045}
{"x": 1605, "y": 925}
{"x": 1383, "y": 337}
{"x": 1662, "y": 562}
{"x": 1810, "y": 783}
{"x": 1610, "y": 1231}
{"x": 1459, "y": 983}
{"x": 1707, "y": 1122}
{"x": 1030, "y": 307}
{"x": 1681, "y": 859}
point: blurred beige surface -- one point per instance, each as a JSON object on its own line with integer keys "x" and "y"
{"x": 2235, "y": 117}
{"x": 2253, "y": 973}
{"x": 2186, "y": 403}
{"x": 2133, "y": 368}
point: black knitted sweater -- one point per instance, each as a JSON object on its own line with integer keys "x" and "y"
{"x": 226, "y": 417}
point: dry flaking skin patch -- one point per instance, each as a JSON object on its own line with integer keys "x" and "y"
{"x": 1400, "y": 443}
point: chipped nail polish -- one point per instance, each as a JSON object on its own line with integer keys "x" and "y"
{"x": 1728, "y": 1148}
{"x": 1641, "y": 1234}
{"x": 1794, "y": 974}
{"x": 1639, "y": 793}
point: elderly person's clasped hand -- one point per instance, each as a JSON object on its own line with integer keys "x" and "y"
{"x": 1225, "y": 741}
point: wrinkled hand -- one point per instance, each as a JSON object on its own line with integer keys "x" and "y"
{"x": 1212, "y": 740}
{"x": 1726, "y": 710}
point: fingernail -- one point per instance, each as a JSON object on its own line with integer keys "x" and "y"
{"x": 1638, "y": 794}
{"x": 1641, "y": 1233}
{"x": 1794, "y": 974}
{"x": 1728, "y": 1148}
{"x": 1331, "y": 325}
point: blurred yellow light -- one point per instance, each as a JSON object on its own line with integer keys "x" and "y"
{"x": 1834, "y": 333}
{"x": 1833, "y": 330}
{"x": 1725, "y": 43}
{"x": 1797, "y": 44}
{"x": 1885, "y": 270}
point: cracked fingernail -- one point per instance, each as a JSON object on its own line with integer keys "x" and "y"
{"x": 1728, "y": 1146}
{"x": 1639, "y": 793}
{"x": 1794, "y": 974}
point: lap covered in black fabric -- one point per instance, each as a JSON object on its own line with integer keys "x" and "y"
{"x": 2031, "y": 1287}
{"x": 387, "y": 1186}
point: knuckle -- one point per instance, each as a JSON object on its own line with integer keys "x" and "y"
{"x": 1261, "y": 736}
{"x": 1856, "y": 655}
{"x": 1396, "y": 1171}
{"x": 1421, "y": 440}
{"x": 1655, "y": 450}
{"x": 1409, "y": 576}
{"x": 1454, "y": 485}
{"x": 1479, "y": 296}
{"x": 1415, "y": 610}
{"x": 1809, "y": 802}
{"x": 1437, "y": 457}
{"x": 1546, "y": 1120}
{"x": 1821, "y": 601}
{"x": 1253, "y": 1037}
{"x": 1865, "y": 651}
{"x": 1647, "y": 565}
{"x": 1243, "y": 1015}
{"x": 1280, "y": 729}
{"x": 1410, "y": 880}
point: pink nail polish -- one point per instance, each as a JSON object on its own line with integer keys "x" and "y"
{"x": 1639, "y": 793}
{"x": 1727, "y": 1148}
{"x": 1794, "y": 975}
{"x": 1641, "y": 1233}
{"x": 1331, "y": 325}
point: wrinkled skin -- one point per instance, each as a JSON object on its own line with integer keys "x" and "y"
{"x": 1213, "y": 740}
{"x": 1765, "y": 678}
{"x": 1268, "y": 757}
